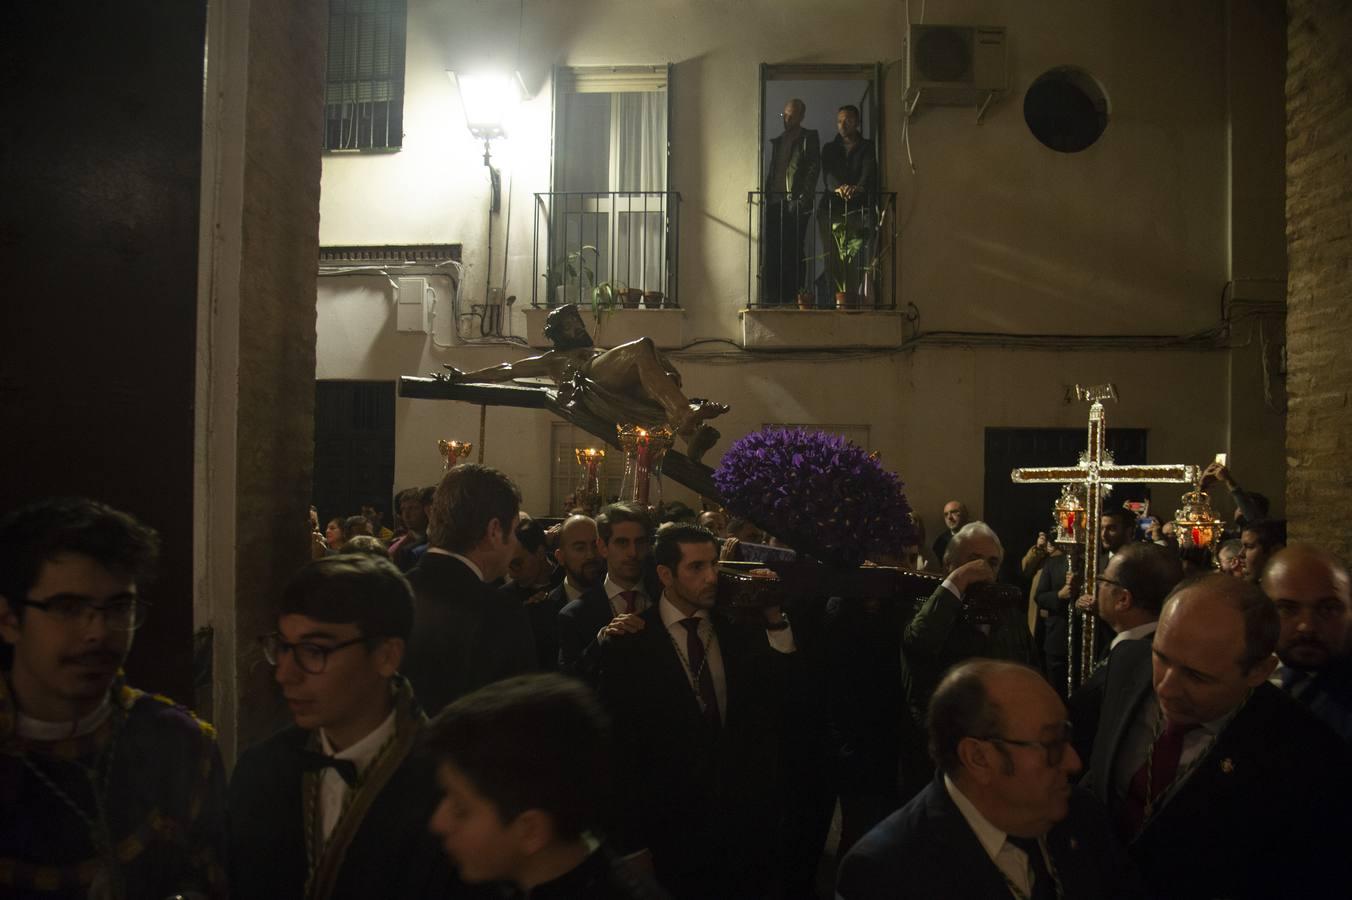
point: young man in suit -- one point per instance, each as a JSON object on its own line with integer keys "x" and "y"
{"x": 337, "y": 804}
{"x": 466, "y": 636}
{"x": 1221, "y": 785}
{"x": 696, "y": 706}
{"x": 1001, "y": 817}
{"x": 624, "y": 542}
{"x": 509, "y": 813}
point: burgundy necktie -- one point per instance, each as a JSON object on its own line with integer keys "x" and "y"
{"x": 699, "y": 671}
{"x": 629, "y": 597}
{"x": 1163, "y": 769}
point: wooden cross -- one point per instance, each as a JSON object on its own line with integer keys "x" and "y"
{"x": 1095, "y": 471}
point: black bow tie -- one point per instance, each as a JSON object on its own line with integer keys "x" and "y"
{"x": 313, "y": 761}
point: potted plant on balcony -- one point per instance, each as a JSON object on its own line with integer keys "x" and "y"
{"x": 807, "y": 298}
{"x": 852, "y": 238}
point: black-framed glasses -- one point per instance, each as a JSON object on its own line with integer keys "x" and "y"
{"x": 1054, "y": 750}
{"x": 309, "y": 656}
{"x": 125, "y": 612}
{"x": 1101, "y": 580}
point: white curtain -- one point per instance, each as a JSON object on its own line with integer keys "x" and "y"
{"x": 638, "y": 163}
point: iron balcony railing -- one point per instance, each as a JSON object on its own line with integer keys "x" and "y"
{"x": 626, "y": 241}
{"x": 821, "y": 250}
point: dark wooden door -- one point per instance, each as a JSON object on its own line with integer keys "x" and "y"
{"x": 354, "y": 447}
{"x": 1018, "y": 512}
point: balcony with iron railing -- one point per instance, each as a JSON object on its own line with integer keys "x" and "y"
{"x": 606, "y": 248}
{"x": 821, "y": 251}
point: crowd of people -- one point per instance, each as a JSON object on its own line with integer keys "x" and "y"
{"x": 488, "y": 704}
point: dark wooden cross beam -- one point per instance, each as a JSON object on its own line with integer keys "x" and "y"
{"x": 675, "y": 465}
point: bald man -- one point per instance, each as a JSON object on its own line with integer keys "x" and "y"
{"x": 1220, "y": 784}
{"x": 1313, "y": 595}
{"x": 1001, "y": 816}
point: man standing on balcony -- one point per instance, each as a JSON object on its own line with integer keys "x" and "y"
{"x": 846, "y": 217}
{"x": 795, "y": 163}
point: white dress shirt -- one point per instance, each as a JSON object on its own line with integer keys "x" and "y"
{"x": 617, "y": 606}
{"x": 1008, "y": 858}
{"x": 478, "y": 572}
{"x": 1141, "y": 735}
{"x": 332, "y": 788}
{"x": 782, "y": 641}
{"x": 1140, "y": 632}
{"x": 571, "y": 593}
{"x": 41, "y": 730}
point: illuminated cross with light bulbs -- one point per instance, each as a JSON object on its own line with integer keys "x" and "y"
{"x": 1095, "y": 473}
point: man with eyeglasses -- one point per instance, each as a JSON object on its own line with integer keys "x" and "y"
{"x": 1128, "y": 596}
{"x": 1313, "y": 596}
{"x": 1001, "y": 817}
{"x": 336, "y": 806}
{"x": 105, "y": 791}
{"x": 1220, "y": 784}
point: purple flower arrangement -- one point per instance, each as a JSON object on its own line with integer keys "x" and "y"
{"x": 818, "y": 492}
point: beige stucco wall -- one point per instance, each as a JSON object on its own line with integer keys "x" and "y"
{"x": 999, "y": 234}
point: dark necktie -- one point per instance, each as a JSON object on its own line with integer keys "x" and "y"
{"x": 629, "y": 598}
{"x": 1157, "y": 773}
{"x": 699, "y": 671}
{"x": 313, "y": 761}
{"x": 1043, "y": 886}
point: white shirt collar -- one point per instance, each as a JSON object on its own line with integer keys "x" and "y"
{"x": 992, "y": 839}
{"x": 671, "y": 615}
{"x": 364, "y": 751}
{"x": 478, "y": 572}
{"x": 612, "y": 589}
{"x": 570, "y": 592}
{"x": 39, "y": 730}
{"x": 1134, "y": 634}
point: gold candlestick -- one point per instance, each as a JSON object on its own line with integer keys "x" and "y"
{"x": 453, "y": 451}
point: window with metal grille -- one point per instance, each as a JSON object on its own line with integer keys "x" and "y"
{"x": 364, "y": 80}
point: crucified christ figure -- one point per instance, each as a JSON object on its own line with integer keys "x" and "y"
{"x": 632, "y": 383}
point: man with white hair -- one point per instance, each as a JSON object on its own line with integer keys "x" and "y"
{"x": 960, "y": 621}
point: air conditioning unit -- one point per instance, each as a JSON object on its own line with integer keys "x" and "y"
{"x": 954, "y": 65}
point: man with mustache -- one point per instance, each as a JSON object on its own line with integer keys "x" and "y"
{"x": 105, "y": 791}
{"x": 1311, "y": 591}
{"x": 697, "y": 709}
{"x": 1000, "y": 817}
{"x": 1219, "y": 784}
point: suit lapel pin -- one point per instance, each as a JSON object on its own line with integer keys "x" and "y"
{"x": 1228, "y": 766}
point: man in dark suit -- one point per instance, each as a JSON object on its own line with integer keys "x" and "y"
{"x": 1313, "y": 596}
{"x": 466, "y": 636}
{"x": 1116, "y": 528}
{"x": 955, "y": 516}
{"x": 336, "y": 806}
{"x": 1129, "y": 595}
{"x": 531, "y": 587}
{"x": 1221, "y": 785}
{"x": 1001, "y": 818}
{"x": 790, "y": 185}
{"x": 624, "y": 541}
{"x": 696, "y": 706}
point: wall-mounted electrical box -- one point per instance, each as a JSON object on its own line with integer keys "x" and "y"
{"x": 413, "y": 304}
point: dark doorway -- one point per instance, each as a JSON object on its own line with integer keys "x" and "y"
{"x": 1018, "y": 512}
{"x": 354, "y": 447}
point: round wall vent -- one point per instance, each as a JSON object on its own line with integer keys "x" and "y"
{"x": 1066, "y": 109}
